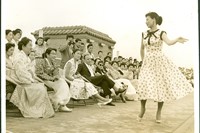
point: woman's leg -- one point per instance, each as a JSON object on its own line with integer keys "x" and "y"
{"x": 142, "y": 111}
{"x": 158, "y": 113}
{"x": 100, "y": 98}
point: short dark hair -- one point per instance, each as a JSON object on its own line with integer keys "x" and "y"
{"x": 96, "y": 60}
{"x": 85, "y": 55}
{"x": 38, "y": 39}
{"x": 77, "y": 39}
{"x": 156, "y": 16}
{"x": 8, "y": 31}
{"x": 100, "y": 62}
{"x": 75, "y": 50}
{"x": 114, "y": 62}
{"x": 48, "y": 51}
{"x": 23, "y": 42}
{"x": 9, "y": 45}
{"x": 119, "y": 56}
{"x": 130, "y": 65}
{"x": 16, "y": 31}
{"x": 122, "y": 64}
{"x": 71, "y": 43}
{"x": 69, "y": 36}
{"x": 100, "y": 51}
{"x": 46, "y": 39}
{"x": 90, "y": 44}
{"x": 107, "y": 57}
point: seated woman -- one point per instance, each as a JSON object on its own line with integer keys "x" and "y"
{"x": 30, "y": 96}
{"x": 48, "y": 71}
{"x": 10, "y": 86}
{"x": 112, "y": 70}
{"x": 79, "y": 88}
{"x": 129, "y": 75}
{"x": 100, "y": 70}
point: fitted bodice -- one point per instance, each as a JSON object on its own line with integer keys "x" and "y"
{"x": 152, "y": 41}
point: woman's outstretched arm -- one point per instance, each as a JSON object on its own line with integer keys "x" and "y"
{"x": 174, "y": 41}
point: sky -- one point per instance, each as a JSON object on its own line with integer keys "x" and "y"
{"x": 122, "y": 20}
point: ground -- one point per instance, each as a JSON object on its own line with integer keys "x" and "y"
{"x": 177, "y": 117}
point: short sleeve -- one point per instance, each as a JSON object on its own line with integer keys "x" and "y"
{"x": 162, "y": 34}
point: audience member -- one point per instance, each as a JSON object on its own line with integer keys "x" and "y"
{"x": 114, "y": 72}
{"x": 66, "y": 50}
{"x": 103, "y": 81}
{"x": 10, "y": 86}
{"x": 90, "y": 50}
{"x": 48, "y": 71}
{"x": 30, "y": 96}
{"x": 16, "y": 37}
{"x": 79, "y": 88}
{"x": 100, "y": 55}
{"x": 9, "y": 35}
{"x": 39, "y": 48}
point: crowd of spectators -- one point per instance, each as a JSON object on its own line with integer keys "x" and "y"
{"x": 32, "y": 71}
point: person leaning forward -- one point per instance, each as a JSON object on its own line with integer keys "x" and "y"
{"x": 102, "y": 80}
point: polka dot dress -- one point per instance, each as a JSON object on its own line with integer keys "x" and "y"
{"x": 159, "y": 78}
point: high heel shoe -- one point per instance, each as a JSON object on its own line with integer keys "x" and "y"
{"x": 158, "y": 121}
{"x": 139, "y": 119}
{"x": 64, "y": 109}
{"x": 120, "y": 91}
{"x": 104, "y": 103}
{"x": 122, "y": 98}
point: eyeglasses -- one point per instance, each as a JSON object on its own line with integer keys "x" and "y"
{"x": 100, "y": 64}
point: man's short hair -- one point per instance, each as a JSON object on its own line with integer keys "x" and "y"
{"x": 100, "y": 52}
{"x": 77, "y": 39}
{"x": 90, "y": 44}
{"x": 86, "y": 54}
{"x": 69, "y": 36}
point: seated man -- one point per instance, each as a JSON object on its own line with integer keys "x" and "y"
{"x": 103, "y": 81}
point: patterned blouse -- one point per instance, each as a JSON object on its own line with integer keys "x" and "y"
{"x": 45, "y": 70}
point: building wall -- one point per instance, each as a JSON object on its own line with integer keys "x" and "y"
{"x": 57, "y": 40}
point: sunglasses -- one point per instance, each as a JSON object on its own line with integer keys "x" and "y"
{"x": 100, "y": 64}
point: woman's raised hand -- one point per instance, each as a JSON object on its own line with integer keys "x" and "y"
{"x": 182, "y": 40}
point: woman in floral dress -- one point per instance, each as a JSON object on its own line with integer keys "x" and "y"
{"x": 159, "y": 78}
{"x": 79, "y": 88}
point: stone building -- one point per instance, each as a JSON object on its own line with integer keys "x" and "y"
{"x": 57, "y": 36}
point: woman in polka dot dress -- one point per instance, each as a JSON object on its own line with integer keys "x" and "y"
{"x": 159, "y": 78}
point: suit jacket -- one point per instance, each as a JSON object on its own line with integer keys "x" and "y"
{"x": 84, "y": 71}
{"x": 102, "y": 80}
{"x": 102, "y": 72}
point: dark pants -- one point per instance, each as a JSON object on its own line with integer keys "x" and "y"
{"x": 104, "y": 82}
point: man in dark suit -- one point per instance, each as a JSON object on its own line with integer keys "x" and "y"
{"x": 103, "y": 81}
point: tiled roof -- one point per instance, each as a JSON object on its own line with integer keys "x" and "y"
{"x": 74, "y": 30}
